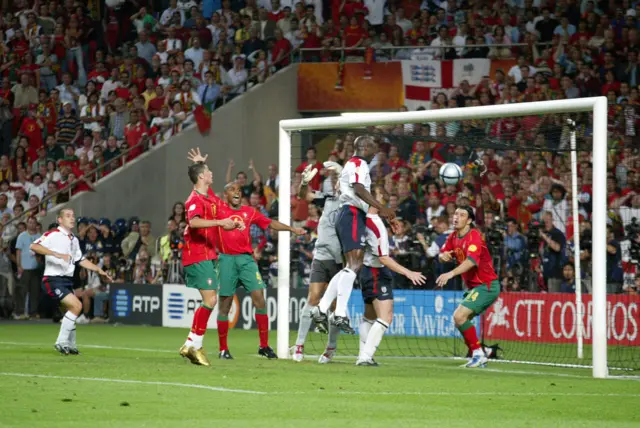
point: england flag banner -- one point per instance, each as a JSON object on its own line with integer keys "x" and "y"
{"x": 423, "y": 80}
{"x": 471, "y": 70}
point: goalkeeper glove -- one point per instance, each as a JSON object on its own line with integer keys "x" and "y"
{"x": 308, "y": 174}
{"x": 333, "y": 166}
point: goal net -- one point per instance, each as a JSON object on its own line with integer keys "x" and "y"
{"x": 537, "y": 176}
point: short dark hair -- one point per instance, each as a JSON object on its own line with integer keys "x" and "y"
{"x": 61, "y": 212}
{"x": 195, "y": 170}
{"x": 469, "y": 210}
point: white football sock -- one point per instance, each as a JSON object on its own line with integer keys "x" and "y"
{"x": 189, "y": 341}
{"x": 330, "y": 294}
{"x": 334, "y": 332}
{"x": 72, "y": 338}
{"x": 305, "y": 324}
{"x": 345, "y": 286}
{"x": 66, "y": 327}
{"x": 374, "y": 338}
{"x": 363, "y": 330}
{"x": 196, "y": 341}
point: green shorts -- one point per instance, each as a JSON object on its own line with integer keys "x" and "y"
{"x": 241, "y": 267}
{"x": 202, "y": 275}
{"x": 479, "y": 298}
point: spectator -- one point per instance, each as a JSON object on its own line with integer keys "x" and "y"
{"x": 553, "y": 245}
{"x": 29, "y": 273}
{"x": 136, "y": 240}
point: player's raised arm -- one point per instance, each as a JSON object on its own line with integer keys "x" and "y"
{"x": 307, "y": 175}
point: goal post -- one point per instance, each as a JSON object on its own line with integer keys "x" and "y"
{"x": 595, "y": 105}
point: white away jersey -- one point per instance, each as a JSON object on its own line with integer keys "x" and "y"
{"x": 62, "y": 242}
{"x": 377, "y": 241}
{"x": 356, "y": 170}
{"x": 328, "y": 245}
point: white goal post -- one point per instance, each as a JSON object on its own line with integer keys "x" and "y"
{"x": 596, "y": 105}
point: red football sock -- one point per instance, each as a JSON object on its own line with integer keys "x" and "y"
{"x": 263, "y": 329}
{"x": 223, "y": 332}
{"x": 471, "y": 339}
{"x": 200, "y": 320}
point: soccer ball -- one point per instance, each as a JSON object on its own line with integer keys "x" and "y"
{"x": 451, "y": 173}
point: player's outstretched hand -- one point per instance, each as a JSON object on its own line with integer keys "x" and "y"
{"x": 387, "y": 213}
{"x": 240, "y": 225}
{"x": 333, "y": 166}
{"x": 105, "y": 275}
{"x": 446, "y": 256}
{"x": 443, "y": 279}
{"x": 228, "y": 224}
{"x": 416, "y": 278}
{"x": 299, "y": 231}
{"x": 195, "y": 156}
{"x": 308, "y": 174}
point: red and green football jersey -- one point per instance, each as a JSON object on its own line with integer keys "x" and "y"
{"x": 473, "y": 247}
{"x": 239, "y": 241}
{"x": 200, "y": 244}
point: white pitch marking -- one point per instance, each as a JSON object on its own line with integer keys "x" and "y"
{"x": 115, "y": 348}
{"x": 139, "y": 382}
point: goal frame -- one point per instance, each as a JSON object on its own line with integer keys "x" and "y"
{"x": 596, "y": 105}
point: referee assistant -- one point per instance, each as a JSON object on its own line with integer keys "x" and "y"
{"x": 61, "y": 251}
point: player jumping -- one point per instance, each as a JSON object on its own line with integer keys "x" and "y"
{"x": 199, "y": 256}
{"x": 376, "y": 281}
{"x": 475, "y": 265}
{"x": 355, "y": 199}
{"x": 61, "y": 251}
{"x": 327, "y": 262}
{"x": 238, "y": 265}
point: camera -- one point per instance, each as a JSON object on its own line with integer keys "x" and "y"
{"x": 632, "y": 230}
{"x": 533, "y": 238}
{"x": 495, "y": 234}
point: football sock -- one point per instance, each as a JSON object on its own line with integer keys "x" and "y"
{"x": 262, "y": 319}
{"x": 66, "y": 327}
{"x": 470, "y": 336}
{"x": 334, "y": 332}
{"x": 374, "y": 338}
{"x": 345, "y": 286}
{"x": 199, "y": 326}
{"x": 72, "y": 338}
{"x": 189, "y": 341}
{"x": 330, "y": 294}
{"x": 223, "y": 332}
{"x": 363, "y": 330}
{"x": 305, "y": 324}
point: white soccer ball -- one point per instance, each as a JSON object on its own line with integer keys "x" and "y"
{"x": 451, "y": 173}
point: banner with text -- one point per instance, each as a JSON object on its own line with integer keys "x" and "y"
{"x": 553, "y": 318}
{"x": 136, "y": 304}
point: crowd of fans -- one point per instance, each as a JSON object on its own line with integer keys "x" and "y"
{"x": 85, "y": 88}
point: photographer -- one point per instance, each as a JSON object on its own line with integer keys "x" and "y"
{"x": 553, "y": 245}
{"x": 407, "y": 251}
{"x": 515, "y": 245}
{"x": 442, "y": 231}
{"x": 169, "y": 247}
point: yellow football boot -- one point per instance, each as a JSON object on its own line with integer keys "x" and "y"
{"x": 184, "y": 353}
{"x": 198, "y": 357}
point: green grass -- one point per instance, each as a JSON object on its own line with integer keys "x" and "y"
{"x": 82, "y": 390}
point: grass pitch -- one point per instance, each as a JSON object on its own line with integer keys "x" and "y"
{"x": 133, "y": 377}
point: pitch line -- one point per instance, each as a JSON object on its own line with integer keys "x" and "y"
{"x": 115, "y": 348}
{"x": 138, "y": 382}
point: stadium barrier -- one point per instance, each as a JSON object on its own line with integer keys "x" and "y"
{"x": 136, "y": 304}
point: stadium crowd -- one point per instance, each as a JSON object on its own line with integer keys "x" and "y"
{"x": 87, "y": 86}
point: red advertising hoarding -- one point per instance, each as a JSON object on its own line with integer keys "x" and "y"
{"x": 553, "y": 318}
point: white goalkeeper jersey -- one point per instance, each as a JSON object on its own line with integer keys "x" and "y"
{"x": 377, "y": 243}
{"x": 356, "y": 170}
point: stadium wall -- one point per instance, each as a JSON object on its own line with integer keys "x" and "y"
{"x": 246, "y": 128}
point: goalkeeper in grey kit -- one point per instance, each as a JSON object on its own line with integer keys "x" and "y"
{"x": 327, "y": 261}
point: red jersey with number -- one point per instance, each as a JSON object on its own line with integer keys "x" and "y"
{"x": 473, "y": 247}
{"x": 200, "y": 244}
{"x": 239, "y": 241}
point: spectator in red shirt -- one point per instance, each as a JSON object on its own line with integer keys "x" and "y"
{"x": 280, "y": 51}
{"x": 134, "y": 132}
{"x": 312, "y": 160}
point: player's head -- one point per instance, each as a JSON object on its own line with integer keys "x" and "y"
{"x": 233, "y": 194}
{"x": 199, "y": 173}
{"x": 366, "y": 146}
{"x": 463, "y": 217}
{"x": 66, "y": 218}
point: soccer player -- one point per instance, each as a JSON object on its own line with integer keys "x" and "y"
{"x": 199, "y": 256}
{"x": 355, "y": 199}
{"x": 376, "y": 281}
{"x": 326, "y": 263}
{"x": 61, "y": 251}
{"x": 467, "y": 247}
{"x": 238, "y": 265}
